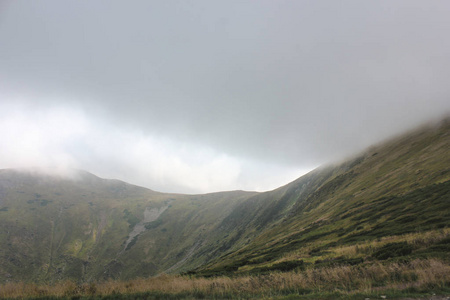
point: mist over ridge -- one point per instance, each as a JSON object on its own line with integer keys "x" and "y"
{"x": 92, "y": 229}
{"x": 164, "y": 95}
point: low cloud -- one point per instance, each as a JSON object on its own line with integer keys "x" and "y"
{"x": 203, "y": 96}
{"x": 60, "y": 139}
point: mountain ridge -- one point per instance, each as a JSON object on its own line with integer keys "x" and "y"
{"x": 97, "y": 229}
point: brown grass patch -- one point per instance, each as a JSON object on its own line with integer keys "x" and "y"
{"x": 347, "y": 279}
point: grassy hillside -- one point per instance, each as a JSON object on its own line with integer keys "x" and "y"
{"x": 54, "y": 228}
{"x": 380, "y": 220}
{"x": 394, "y": 189}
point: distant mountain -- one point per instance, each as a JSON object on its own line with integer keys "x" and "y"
{"x": 88, "y": 228}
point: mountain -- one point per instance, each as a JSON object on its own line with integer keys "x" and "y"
{"x": 87, "y": 228}
{"x": 397, "y": 191}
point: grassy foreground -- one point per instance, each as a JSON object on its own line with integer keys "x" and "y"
{"x": 394, "y": 279}
{"x": 359, "y": 271}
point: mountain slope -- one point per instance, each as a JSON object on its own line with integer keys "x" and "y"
{"x": 87, "y": 228}
{"x": 393, "y": 189}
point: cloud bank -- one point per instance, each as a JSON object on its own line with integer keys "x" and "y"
{"x": 60, "y": 140}
{"x": 201, "y": 95}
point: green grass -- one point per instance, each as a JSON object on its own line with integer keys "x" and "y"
{"x": 340, "y": 215}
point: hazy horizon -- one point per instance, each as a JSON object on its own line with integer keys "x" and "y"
{"x": 196, "y": 97}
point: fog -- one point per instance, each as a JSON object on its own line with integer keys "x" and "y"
{"x": 202, "y": 96}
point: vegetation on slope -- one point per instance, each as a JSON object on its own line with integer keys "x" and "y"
{"x": 415, "y": 278}
{"x": 86, "y": 228}
{"x": 393, "y": 189}
{"x": 377, "y": 222}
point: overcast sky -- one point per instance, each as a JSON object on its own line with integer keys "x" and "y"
{"x": 203, "y": 96}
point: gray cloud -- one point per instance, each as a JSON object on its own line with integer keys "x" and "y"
{"x": 291, "y": 84}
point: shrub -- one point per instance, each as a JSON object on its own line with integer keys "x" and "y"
{"x": 393, "y": 250}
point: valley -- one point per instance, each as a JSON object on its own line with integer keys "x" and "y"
{"x": 377, "y": 222}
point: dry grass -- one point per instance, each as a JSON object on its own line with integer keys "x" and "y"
{"x": 417, "y": 239}
{"x": 347, "y": 279}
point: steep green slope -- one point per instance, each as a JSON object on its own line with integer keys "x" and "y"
{"x": 397, "y": 188}
{"x": 394, "y": 198}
